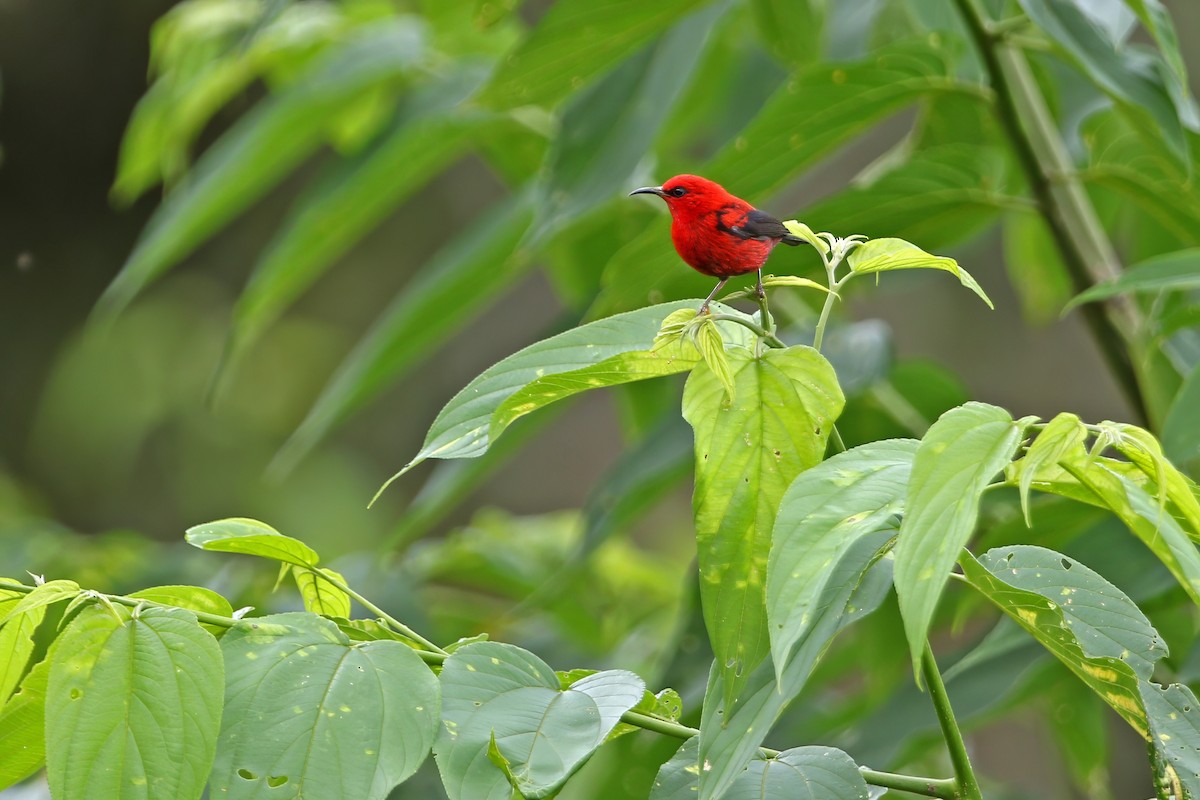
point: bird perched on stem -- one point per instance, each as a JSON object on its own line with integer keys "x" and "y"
{"x": 716, "y": 233}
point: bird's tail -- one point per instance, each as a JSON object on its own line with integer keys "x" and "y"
{"x": 793, "y": 240}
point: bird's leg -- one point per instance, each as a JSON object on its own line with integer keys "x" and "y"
{"x": 766, "y": 321}
{"x": 762, "y": 293}
{"x": 711, "y": 295}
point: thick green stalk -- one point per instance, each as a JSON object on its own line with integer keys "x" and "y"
{"x": 1086, "y": 251}
{"x": 968, "y": 785}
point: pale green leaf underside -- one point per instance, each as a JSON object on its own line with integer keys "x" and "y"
{"x": 886, "y": 255}
{"x": 251, "y": 537}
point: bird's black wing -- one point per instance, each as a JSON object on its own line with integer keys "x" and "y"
{"x": 761, "y": 225}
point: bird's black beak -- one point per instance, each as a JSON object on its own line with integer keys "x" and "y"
{"x": 658, "y": 190}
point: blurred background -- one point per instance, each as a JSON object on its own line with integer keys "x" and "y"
{"x": 120, "y": 430}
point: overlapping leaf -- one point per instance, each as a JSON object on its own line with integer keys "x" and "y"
{"x": 955, "y": 462}
{"x": 502, "y": 697}
{"x": 23, "y": 728}
{"x": 298, "y": 692}
{"x": 132, "y": 705}
{"x": 886, "y": 255}
{"x": 748, "y": 451}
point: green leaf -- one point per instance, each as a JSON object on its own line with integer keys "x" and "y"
{"x": 350, "y": 200}
{"x": 1172, "y": 272}
{"x": 938, "y": 196}
{"x": 885, "y": 255}
{"x": 679, "y": 777}
{"x": 16, "y": 645}
{"x": 955, "y": 462}
{"x": 732, "y": 733}
{"x": 251, "y": 537}
{"x": 1064, "y": 435}
{"x": 544, "y": 733}
{"x": 23, "y": 728}
{"x": 449, "y": 290}
{"x": 193, "y": 598}
{"x": 802, "y": 773}
{"x": 1035, "y": 268}
{"x": 1127, "y": 76}
{"x": 1158, "y": 23}
{"x": 806, "y": 233}
{"x": 573, "y": 43}
{"x": 261, "y": 148}
{"x": 1174, "y": 716}
{"x": 44, "y": 595}
{"x": 707, "y": 340}
{"x": 133, "y": 705}
{"x": 607, "y": 352}
{"x": 1148, "y": 519}
{"x": 1032, "y": 585}
{"x": 747, "y": 453}
{"x": 308, "y": 713}
{"x": 1181, "y": 430}
{"x": 1144, "y": 451}
{"x": 790, "y": 30}
{"x": 824, "y": 512}
{"x": 319, "y": 595}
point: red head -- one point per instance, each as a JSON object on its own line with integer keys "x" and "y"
{"x": 689, "y": 196}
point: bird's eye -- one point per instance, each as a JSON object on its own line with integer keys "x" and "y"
{"x": 678, "y": 191}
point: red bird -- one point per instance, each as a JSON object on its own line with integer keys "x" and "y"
{"x": 716, "y": 233}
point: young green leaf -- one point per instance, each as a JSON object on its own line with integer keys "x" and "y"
{"x": 261, "y": 148}
{"x": 607, "y": 352}
{"x": 44, "y": 595}
{"x": 806, "y": 233}
{"x": 319, "y": 595}
{"x": 298, "y": 692}
{"x": 16, "y": 645}
{"x": 575, "y": 41}
{"x": 23, "y": 727}
{"x": 708, "y": 342}
{"x": 955, "y": 462}
{"x": 1172, "y": 272}
{"x": 1148, "y": 519}
{"x": 825, "y": 510}
{"x": 133, "y": 700}
{"x": 499, "y": 693}
{"x": 747, "y": 453}
{"x": 251, "y": 537}
{"x": 1061, "y": 437}
{"x": 885, "y": 255}
{"x": 193, "y": 598}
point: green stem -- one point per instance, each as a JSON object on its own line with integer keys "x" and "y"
{"x": 134, "y": 602}
{"x": 759, "y": 331}
{"x": 968, "y": 785}
{"x": 826, "y": 310}
{"x": 1062, "y": 201}
{"x": 395, "y": 624}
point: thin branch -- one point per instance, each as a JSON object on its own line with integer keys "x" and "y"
{"x": 1086, "y": 251}
{"x": 396, "y": 624}
{"x": 968, "y": 785}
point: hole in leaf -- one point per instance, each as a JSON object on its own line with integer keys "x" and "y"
{"x": 276, "y": 780}
{"x": 1067, "y": 564}
{"x": 1008, "y": 558}
{"x": 76, "y": 694}
{"x": 247, "y": 774}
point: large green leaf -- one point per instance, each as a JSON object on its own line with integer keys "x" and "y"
{"x": 1179, "y": 271}
{"x": 133, "y": 705}
{"x": 504, "y": 698}
{"x": 451, "y": 288}
{"x": 607, "y": 352}
{"x": 1063, "y": 436}
{"x": 251, "y": 537}
{"x": 1032, "y": 585}
{"x": 261, "y": 148}
{"x": 574, "y": 42}
{"x": 23, "y": 728}
{"x": 730, "y": 733}
{"x": 956, "y": 461}
{"x": 825, "y": 510}
{"x": 802, "y": 773}
{"x": 748, "y": 452}
{"x": 790, "y": 30}
{"x": 308, "y": 713}
{"x": 1127, "y": 77}
{"x": 352, "y": 198}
